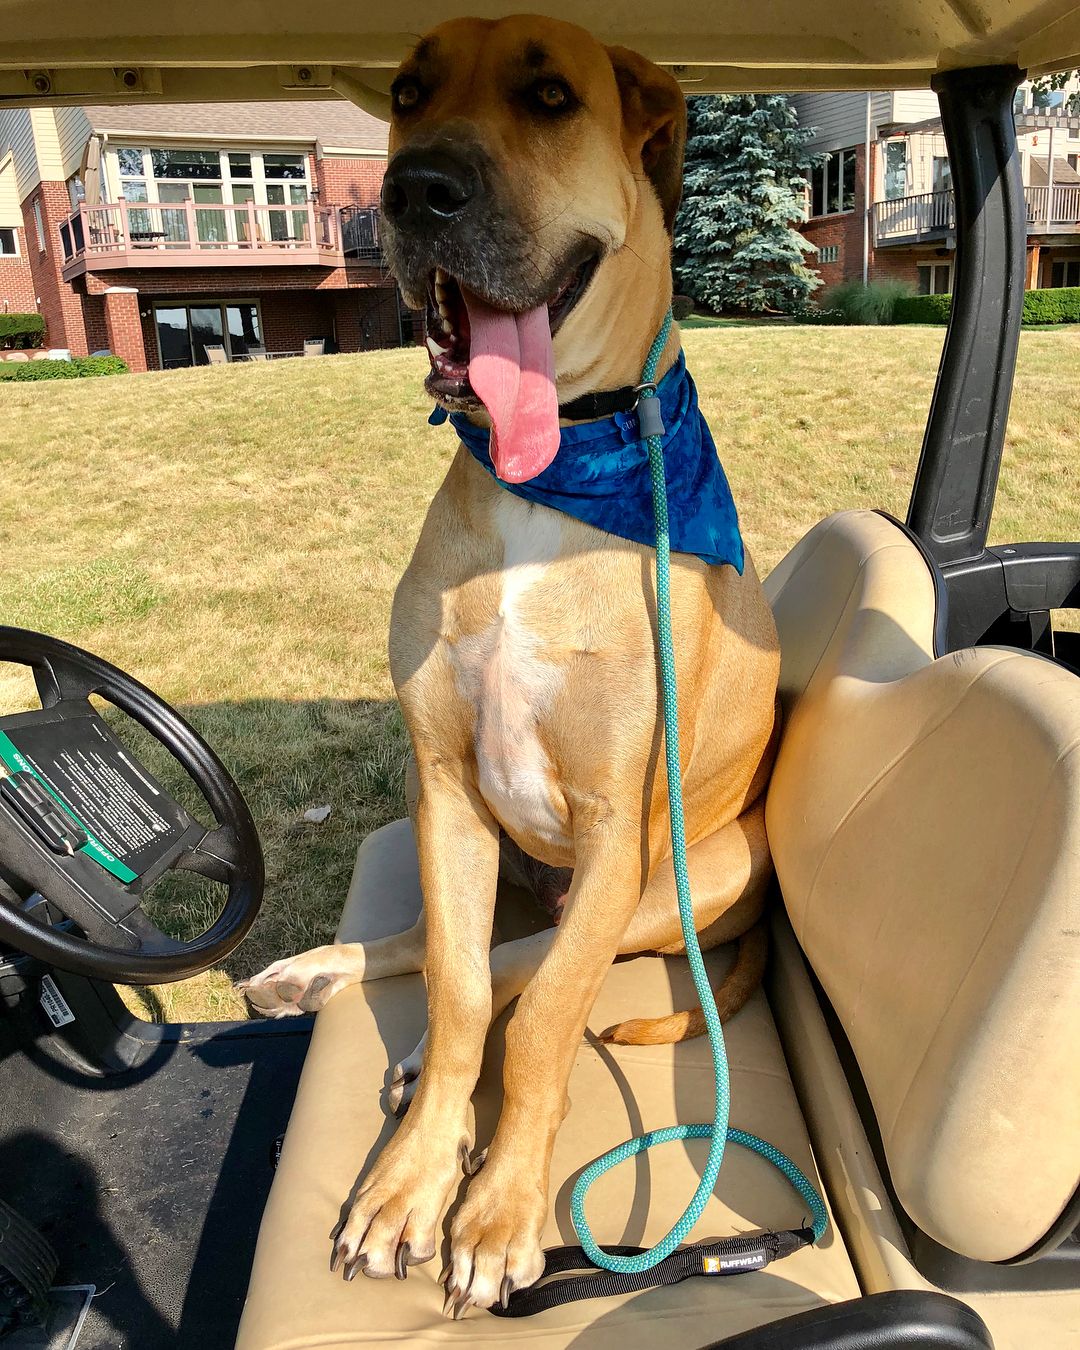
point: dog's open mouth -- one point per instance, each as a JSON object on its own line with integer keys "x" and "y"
{"x": 484, "y": 355}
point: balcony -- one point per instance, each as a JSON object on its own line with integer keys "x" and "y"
{"x": 930, "y": 216}
{"x": 186, "y": 234}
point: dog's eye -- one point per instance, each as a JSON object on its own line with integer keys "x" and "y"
{"x": 551, "y": 95}
{"x": 407, "y": 94}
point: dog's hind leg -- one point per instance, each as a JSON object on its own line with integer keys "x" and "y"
{"x": 729, "y": 874}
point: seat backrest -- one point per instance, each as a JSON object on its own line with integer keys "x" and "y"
{"x": 314, "y": 346}
{"x": 924, "y": 818}
{"x": 216, "y": 355}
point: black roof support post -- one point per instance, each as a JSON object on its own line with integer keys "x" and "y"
{"x": 957, "y": 475}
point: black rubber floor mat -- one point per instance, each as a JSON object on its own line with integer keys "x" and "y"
{"x": 150, "y": 1185}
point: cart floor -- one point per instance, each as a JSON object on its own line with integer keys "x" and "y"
{"x": 150, "y": 1184}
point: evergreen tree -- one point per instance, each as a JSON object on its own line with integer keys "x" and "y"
{"x": 744, "y": 187}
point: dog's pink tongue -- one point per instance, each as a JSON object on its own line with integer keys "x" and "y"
{"x": 512, "y": 372}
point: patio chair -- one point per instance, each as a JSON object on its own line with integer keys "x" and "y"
{"x": 217, "y": 355}
{"x": 314, "y": 346}
{"x": 258, "y": 354}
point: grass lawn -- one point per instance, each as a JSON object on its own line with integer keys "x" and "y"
{"x": 233, "y": 536}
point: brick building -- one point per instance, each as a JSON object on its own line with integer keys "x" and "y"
{"x": 880, "y": 204}
{"x": 158, "y": 231}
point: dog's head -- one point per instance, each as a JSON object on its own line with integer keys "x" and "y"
{"x": 531, "y": 192}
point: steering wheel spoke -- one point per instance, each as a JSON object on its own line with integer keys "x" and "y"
{"x": 217, "y": 857}
{"x": 59, "y": 681}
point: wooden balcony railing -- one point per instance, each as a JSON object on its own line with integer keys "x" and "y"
{"x": 930, "y": 215}
{"x": 926, "y": 213}
{"x": 167, "y": 234}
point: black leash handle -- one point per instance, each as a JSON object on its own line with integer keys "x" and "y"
{"x": 726, "y": 1256}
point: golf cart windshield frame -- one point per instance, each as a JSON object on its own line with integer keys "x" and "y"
{"x": 1002, "y": 594}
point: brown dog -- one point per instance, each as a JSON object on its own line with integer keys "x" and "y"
{"x": 531, "y": 191}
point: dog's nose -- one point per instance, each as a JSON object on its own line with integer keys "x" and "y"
{"x": 428, "y": 189}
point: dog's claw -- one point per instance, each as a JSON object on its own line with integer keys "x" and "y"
{"x": 355, "y": 1266}
{"x": 446, "y": 1272}
{"x": 462, "y": 1307}
{"x": 449, "y": 1299}
{"x": 470, "y": 1163}
{"x": 337, "y": 1255}
{"x": 401, "y": 1262}
{"x": 505, "y": 1291}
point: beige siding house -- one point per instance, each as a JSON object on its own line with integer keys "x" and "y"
{"x": 880, "y": 203}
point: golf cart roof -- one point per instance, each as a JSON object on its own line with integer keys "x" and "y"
{"x": 54, "y": 52}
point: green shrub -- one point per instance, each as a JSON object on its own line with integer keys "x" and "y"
{"x": 813, "y": 314}
{"x": 80, "y": 367}
{"x": 1060, "y": 304}
{"x": 101, "y": 365}
{"x": 874, "y": 303}
{"x": 924, "y": 309}
{"x": 22, "y": 330}
{"x": 682, "y": 306}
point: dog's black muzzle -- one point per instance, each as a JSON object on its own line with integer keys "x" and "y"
{"x": 444, "y": 204}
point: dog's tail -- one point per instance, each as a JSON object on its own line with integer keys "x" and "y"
{"x": 741, "y": 981}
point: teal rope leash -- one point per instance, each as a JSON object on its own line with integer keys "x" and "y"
{"x": 719, "y": 1132}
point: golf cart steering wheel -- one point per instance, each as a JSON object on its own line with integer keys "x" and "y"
{"x": 86, "y": 829}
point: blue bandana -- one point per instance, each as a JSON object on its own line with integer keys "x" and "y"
{"x": 601, "y": 475}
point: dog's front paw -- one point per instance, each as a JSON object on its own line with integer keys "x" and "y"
{"x": 495, "y": 1242}
{"x": 300, "y": 984}
{"x": 393, "y": 1219}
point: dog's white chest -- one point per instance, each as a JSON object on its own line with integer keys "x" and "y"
{"x": 502, "y": 671}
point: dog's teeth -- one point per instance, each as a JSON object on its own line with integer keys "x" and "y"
{"x": 440, "y": 292}
{"x": 434, "y": 348}
{"x": 447, "y": 326}
{"x": 444, "y": 311}
{"x": 441, "y": 277}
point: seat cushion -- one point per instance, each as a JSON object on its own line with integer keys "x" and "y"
{"x": 924, "y": 819}
{"x": 339, "y": 1123}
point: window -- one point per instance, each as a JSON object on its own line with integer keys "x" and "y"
{"x": 209, "y": 178}
{"x": 1042, "y": 100}
{"x": 185, "y": 331}
{"x": 285, "y": 166}
{"x": 832, "y": 184}
{"x": 76, "y": 191}
{"x": 942, "y": 174}
{"x": 829, "y": 253}
{"x": 1073, "y": 161}
{"x": 39, "y": 224}
{"x": 896, "y": 171}
{"x": 935, "y": 278}
{"x": 1065, "y": 273}
{"x": 186, "y": 164}
{"x": 9, "y": 243}
{"x": 1019, "y": 100}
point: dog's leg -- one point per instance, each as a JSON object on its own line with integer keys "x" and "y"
{"x": 305, "y": 983}
{"x": 495, "y": 1238}
{"x": 513, "y": 964}
{"x": 396, "y": 1208}
{"x": 729, "y": 871}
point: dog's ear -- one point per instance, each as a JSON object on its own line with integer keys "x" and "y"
{"x": 654, "y": 124}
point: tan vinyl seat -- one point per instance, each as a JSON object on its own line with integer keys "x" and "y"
{"x": 339, "y": 1122}
{"x": 924, "y": 817}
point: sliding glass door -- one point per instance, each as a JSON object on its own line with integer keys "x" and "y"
{"x": 185, "y": 331}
